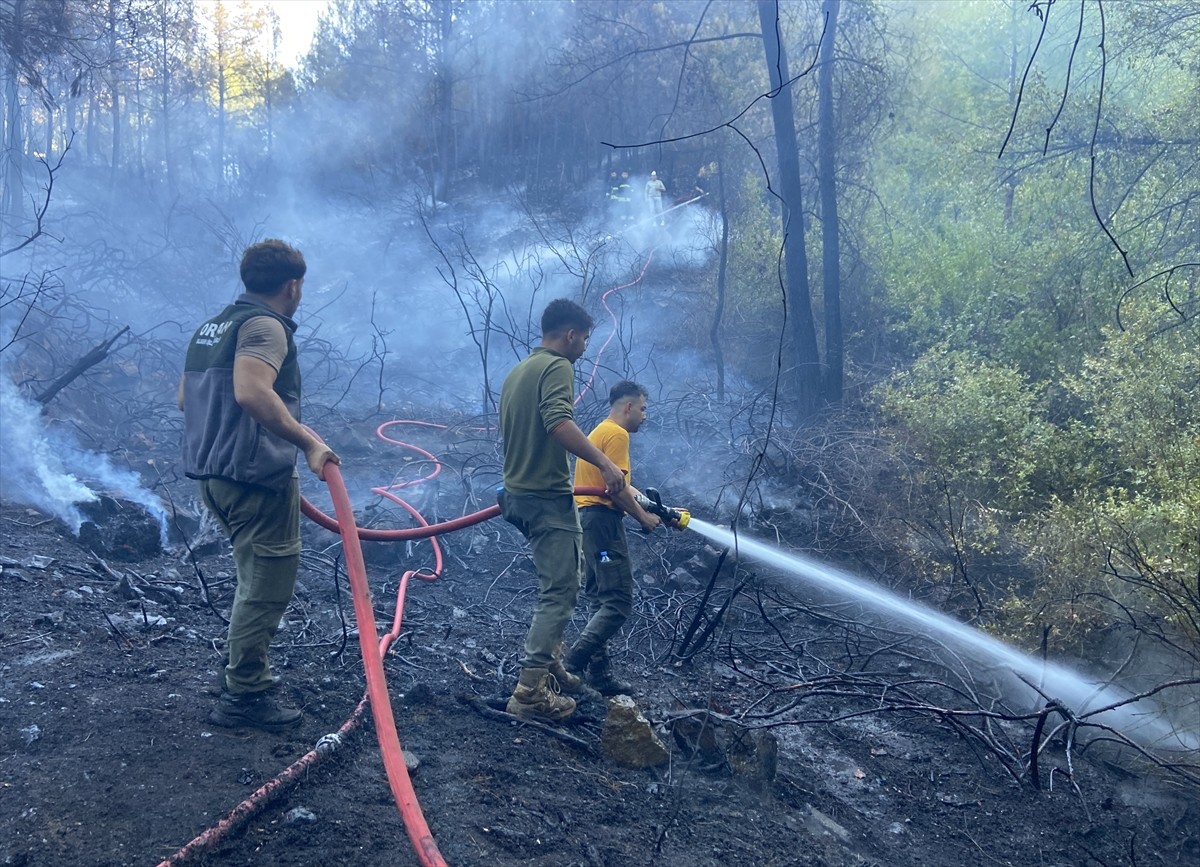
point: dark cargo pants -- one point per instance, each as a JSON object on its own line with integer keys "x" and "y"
{"x": 608, "y": 574}
{"x": 264, "y": 528}
{"x": 551, "y": 524}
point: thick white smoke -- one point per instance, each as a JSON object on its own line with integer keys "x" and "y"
{"x": 49, "y": 470}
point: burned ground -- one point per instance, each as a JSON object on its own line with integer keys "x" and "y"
{"x": 786, "y": 744}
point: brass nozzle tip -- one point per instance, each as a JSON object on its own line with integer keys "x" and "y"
{"x": 684, "y": 517}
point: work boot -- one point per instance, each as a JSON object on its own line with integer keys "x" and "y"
{"x": 255, "y": 709}
{"x": 222, "y": 685}
{"x": 601, "y": 679}
{"x": 537, "y": 695}
{"x": 567, "y": 681}
{"x": 578, "y": 657}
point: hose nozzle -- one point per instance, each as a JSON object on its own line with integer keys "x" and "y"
{"x": 651, "y": 501}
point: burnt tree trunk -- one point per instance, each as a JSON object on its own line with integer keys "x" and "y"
{"x": 827, "y": 184}
{"x": 715, "y": 331}
{"x": 798, "y": 299}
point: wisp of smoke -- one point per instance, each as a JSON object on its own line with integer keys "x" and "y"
{"x": 47, "y": 469}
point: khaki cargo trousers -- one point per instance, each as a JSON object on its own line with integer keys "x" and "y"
{"x": 551, "y": 524}
{"x": 608, "y": 574}
{"x": 264, "y": 528}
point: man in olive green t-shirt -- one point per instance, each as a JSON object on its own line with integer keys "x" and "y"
{"x": 537, "y": 425}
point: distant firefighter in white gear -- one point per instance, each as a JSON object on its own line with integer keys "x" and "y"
{"x": 655, "y": 189}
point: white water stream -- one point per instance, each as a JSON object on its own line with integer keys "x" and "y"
{"x": 1143, "y": 720}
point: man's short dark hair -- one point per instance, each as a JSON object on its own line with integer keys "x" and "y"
{"x": 267, "y": 265}
{"x": 562, "y": 314}
{"x": 626, "y": 388}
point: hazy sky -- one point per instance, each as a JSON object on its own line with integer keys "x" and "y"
{"x": 298, "y": 22}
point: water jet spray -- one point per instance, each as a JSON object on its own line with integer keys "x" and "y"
{"x": 1139, "y": 718}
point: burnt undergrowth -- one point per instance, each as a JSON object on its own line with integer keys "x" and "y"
{"x": 802, "y": 729}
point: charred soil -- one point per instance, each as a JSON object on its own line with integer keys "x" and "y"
{"x": 109, "y": 663}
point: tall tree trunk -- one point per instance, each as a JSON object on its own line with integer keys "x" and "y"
{"x": 221, "y": 121}
{"x": 165, "y": 97}
{"x": 114, "y": 86}
{"x": 71, "y": 118}
{"x": 1010, "y": 185}
{"x": 715, "y": 332}
{"x": 49, "y": 130}
{"x": 444, "y": 134}
{"x": 93, "y": 134}
{"x": 827, "y": 183}
{"x": 13, "y": 199}
{"x": 798, "y": 296}
{"x": 221, "y": 26}
{"x": 140, "y": 132}
{"x": 269, "y": 92}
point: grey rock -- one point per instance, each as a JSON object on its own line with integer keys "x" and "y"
{"x": 296, "y": 815}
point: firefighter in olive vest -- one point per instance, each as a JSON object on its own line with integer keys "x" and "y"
{"x": 240, "y": 396}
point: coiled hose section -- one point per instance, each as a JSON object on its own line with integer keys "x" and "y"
{"x": 376, "y": 695}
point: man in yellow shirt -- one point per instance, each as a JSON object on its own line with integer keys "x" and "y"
{"x": 608, "y": 576}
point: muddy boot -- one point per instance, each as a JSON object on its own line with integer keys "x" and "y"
{"x": 578, "y": 657}
{"x": 256, "y": 709}
{"x": 537, "y": 696}
{"x": 600, "y": 676}
{"x": 567, "y": 681}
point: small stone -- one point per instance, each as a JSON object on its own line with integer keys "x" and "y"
{"x": 297, "y": 815}
{"x": 30, "y": 734}
{"x": 50, "y": 618}
{"x": 411, "y": 762}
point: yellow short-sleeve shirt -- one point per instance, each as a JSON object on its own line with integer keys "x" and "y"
{"x": 613, "y": 440}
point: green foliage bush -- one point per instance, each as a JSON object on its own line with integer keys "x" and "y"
{"x": 972, "y": 424}
{"x": 1102, "y": 507}
{"x": 1127, "y": 539}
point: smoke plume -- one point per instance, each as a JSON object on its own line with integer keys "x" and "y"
{"x": 49, "y": 470}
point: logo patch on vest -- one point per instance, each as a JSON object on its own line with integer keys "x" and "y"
{"x": 210, "y": 333}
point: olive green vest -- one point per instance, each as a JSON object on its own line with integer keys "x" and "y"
{"x": 220, "y": 439}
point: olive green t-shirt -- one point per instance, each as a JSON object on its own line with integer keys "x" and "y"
{"x": 535, "y": 399}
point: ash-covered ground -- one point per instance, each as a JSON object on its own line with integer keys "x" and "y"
{"x": 788, "y": 741}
